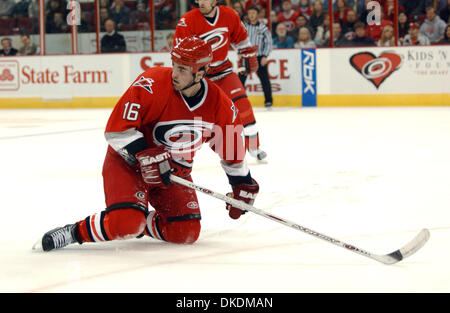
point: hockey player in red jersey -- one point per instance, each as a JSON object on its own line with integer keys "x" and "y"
{"x": 154, "y": 131}
{"x": 222, "y": 27}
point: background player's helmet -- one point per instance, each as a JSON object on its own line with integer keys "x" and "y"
{"x": 192, "y": 51}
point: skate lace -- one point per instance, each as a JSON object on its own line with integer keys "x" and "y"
{"x": 62, "y": 237}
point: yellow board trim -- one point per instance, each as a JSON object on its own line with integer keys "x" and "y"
{"x": 39, "y": 103}
{"x": 256, "y": 101}
{"x": 278, "y": 100}
{"x": 383, "y": 100}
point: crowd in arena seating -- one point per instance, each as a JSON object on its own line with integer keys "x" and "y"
{"x": 294, "y": 23}
{"x": 306, "y": 23}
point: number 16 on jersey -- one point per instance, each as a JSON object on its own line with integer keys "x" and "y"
{"x": 131, "y": 111}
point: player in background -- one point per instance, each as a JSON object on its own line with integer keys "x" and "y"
{"x": 154, "y": 130}
{"x": 222, "y": 27}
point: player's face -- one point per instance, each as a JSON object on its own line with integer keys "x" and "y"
{"x": 206, "y": 6}
{"x": 181, "y": 76}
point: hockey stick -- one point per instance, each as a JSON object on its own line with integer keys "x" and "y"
{"x": 391, "y": 258}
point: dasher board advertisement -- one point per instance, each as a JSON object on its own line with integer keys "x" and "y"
{"x": 388, "y": 70}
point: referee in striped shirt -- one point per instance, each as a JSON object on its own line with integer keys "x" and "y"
{"x": 259, "y": 35}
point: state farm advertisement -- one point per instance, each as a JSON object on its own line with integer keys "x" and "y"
{"x": 388, "y": 70}
{"x": 283, "y": 68}
{"x": 62, "y": 76}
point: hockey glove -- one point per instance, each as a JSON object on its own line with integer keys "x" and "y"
{"x": 155, "y": 166}
{"x": 248, "y": 59}
{"x": 242, "y": 192}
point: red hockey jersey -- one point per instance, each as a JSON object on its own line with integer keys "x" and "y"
{"x": 152, "y": 110}
{"x": 288, "y": 19}
{"x": 226, "y": 29}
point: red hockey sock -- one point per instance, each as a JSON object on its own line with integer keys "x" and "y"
{"x": 124, "y": 223}
{"x": 252, "y": 142}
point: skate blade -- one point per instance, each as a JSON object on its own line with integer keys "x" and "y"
{"x": 37, "y": 246}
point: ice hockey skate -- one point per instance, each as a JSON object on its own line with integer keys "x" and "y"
{"x": 259, "y": 154}
{"x": 56, "y": 238}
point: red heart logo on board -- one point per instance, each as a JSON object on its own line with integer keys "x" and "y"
{"x": 376, "y": 69}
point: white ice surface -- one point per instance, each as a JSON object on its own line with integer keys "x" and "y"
{"x": 372, "y": 177}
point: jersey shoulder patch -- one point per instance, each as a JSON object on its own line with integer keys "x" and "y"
{"x": 182, "y": 22}
{"x": 145, "y": 82}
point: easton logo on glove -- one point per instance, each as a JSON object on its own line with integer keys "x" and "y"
{"x": 242, "y": 192}
{"x": 155, "y": 166}
{"x": 247, "y": 195}
{"x": 147, "y": 160}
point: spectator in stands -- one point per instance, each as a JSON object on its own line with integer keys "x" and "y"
{"x": 55, "y": 16}
{"x": 433, "y": 27}
{"x": 262, "y": 15}
{"x": 57, "y": 25}
{"x": 104, "y": 15}
{"x": 413, "y": 7}
{"x": 300, "y": 22}
{"x": 436, "y": 4}
{"x": 282, "y": 40}
{"x": 112, "y": 41}
{"x": 446, "y": 39}
{"x": 323, "y": 33}
{"x": 254, "y": 3}
{"x": 374, "y": 30}
{"x": 305, "y": 8}
{"x": 295, "y": 4}
{"x": 414, "y": 38}
{"x": 20, "y": 9}
{"x": 273, "y": 22}
{"x": 358, "y": 6}
{"x": 339, "y": 39}
{"x": 361, "y": 40}
{"x": 304, "y": 39}
{"x": 55, "y": 6}
{"x": 387, "y": 37}
{"x": 6, "y": 8}
{"x": 86, "y": 24}
{"x": 364, "y": 12}
{"x": 169, "y": 40}
{"x": 389, "y": 7}
{"x": 7, "y": 48}
{"x": 340, "y": 15}
{"x": 287, "y": 16}
{"x": 164, "y": 14}
{"x": 403, "y": 26}
{"x": 276, "y": 6}
{"x": 348, "y": 27}
{"x": 317, "y": 16}
{"x": 238, "y": 7}
{"x": 142, "y": 7}
{"x": 444, "y": 13}
{"x": 120, "y": 13}
{"x": 33, "y": 9}
{"x": 28, "y": 47}
{"x": 33, "y": 13}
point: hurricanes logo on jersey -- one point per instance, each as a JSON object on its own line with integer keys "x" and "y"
{"x": 217, "y": 38}
{"x": 182, "y": 136}
{"x": 182, "y": 22}
{"x": 145, "y": 83}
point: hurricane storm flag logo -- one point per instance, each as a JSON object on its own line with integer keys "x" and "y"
{"x": 376, "y": 69}
{"x": 145, "y": 83}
